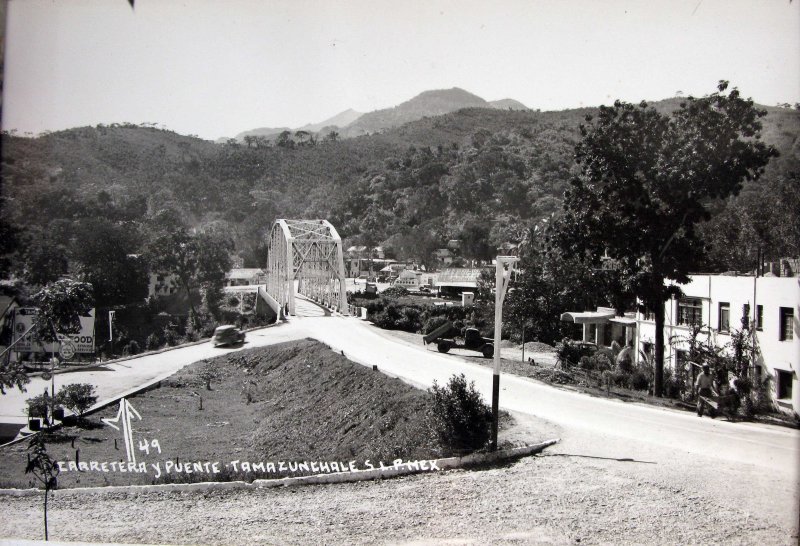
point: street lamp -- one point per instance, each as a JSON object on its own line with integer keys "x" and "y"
{"x": 501, "y": 285}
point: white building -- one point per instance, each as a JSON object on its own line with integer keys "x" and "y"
{"x": 245, "y": 277}
{"x": 409, "y": 279}
{"x": 724, "y": 303}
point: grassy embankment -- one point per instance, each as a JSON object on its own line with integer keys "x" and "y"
{"x": 291, "y": 402}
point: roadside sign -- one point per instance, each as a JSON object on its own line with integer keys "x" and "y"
{"x": 24, "y": 317}
{"x": 68, "y": 349}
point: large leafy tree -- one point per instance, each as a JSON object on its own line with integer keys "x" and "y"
{"x": 197, "y": 260}
{"x": 101, "y": 252}
{"x": 551, "y": 282}
{"x": 646, "y": 181}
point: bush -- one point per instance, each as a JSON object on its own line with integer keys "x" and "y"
{"x": 674, "y": 385}
{"x": 569, "y": 353}
{"x": 153, "y": 342}
{"x": 77, "y": 397}
{"x": 394, "y": 292}
{"x": 432, "y": 324}
{"x": 38, "y": 406}
{"x": 133, "y": 348}
{"x": 398, "y": 317}
{"x": 599, "y": 361}
{"x": 639, "y": 381}
{"x": 459, "y": 417}
{"x": 171, "y": 337}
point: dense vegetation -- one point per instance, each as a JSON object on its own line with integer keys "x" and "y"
{"x": 88, "y": 200}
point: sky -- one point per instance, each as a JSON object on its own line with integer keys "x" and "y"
{"x": 215, "y": 68}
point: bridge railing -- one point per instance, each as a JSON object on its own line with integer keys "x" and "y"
{"x": 356, "y": 311}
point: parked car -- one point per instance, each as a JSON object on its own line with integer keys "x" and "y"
{"x": 227, "y": 335}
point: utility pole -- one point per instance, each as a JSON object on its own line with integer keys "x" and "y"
{"x": 500, "y": 287}
{"x": 111, "y": 331}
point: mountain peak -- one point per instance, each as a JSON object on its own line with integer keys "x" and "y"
{"x": 434, "y": 102}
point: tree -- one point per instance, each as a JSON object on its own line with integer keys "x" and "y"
{"x": 61, "y": 304}
{"x": 198, "y": 261}
{"x": 284, "y": 140}
{"x": 102, "y": 254}
{"x": 9, "y": 235}
{"x": 44, "y": 259}
{"x": 644, "y": 184}
{"x": 43, "y": 468}
{"x": 304, "y": 137}
{"x": 213, "y": 262}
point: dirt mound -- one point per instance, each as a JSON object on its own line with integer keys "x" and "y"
{"x": 539, "y": 347}
{"x": 296, "y": 401}
{"x": 316, "y": 403}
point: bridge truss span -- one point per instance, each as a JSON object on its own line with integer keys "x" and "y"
{"x": 309, "y": 252}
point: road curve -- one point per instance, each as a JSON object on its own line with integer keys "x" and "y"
{"x": 759, "y": 461}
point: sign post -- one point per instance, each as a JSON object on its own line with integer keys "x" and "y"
{"x": 501, "y": 285}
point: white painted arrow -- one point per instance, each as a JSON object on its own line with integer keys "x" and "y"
{"x": 125, "y": 412}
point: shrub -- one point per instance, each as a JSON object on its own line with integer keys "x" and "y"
{"x": 599, "y": 361}
{"x": 640, "y": 381}
{"x": 153, "y": 342}
{"x": 394, "y": 292}
{"x": 233, "y": 301}
{"x": 569, "y": 353}
{"x": 77, "y": 397}
{"x": 674, "y": 385}
{"x": 171, "y": 337}
{"x": 133, "y": 348}
{"x": 459, "y": 417}
{"x": 432, "y": 324}
{"x": 38, "y": 406}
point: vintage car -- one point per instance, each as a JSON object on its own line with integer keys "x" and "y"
{"x": 227, "y": 335}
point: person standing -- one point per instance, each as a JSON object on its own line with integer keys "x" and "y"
{"x": 705, "y": 387}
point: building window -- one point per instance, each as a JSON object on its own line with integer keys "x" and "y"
{"x": 724, "y": 316}
{"x": 746, "y": 316}
{"x": 787, "y": 323}
{"x": 690, "y": 312}
{"x": 759, "y": 317}
{"x": 648, "y": 315}
{"x": 784, "y": 384}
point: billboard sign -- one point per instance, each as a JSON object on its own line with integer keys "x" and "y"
{"x": 78, "y": 343}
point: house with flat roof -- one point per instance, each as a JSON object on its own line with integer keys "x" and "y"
{"x": 718, "y": 305}
{"x": 245, "y": 276}
{"x": 768, "y": 306}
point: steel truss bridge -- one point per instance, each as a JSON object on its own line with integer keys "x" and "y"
{"x": 309, "y": 252}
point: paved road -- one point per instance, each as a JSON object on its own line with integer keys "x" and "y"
{"x": 759, "y": 461}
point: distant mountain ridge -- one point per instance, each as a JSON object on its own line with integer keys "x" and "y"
{"x": 426, "y": 104}
{"x": 435, "y": 102}
{"x": 342, "y": 119}
{"x": 508, "y": 104}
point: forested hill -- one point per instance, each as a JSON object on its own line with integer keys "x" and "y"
{"x": 478, "y": 174}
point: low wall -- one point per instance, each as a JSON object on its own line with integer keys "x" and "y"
{"x": 402, "y": 469}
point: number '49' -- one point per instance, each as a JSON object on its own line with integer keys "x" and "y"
{"x": 145, "y": 446}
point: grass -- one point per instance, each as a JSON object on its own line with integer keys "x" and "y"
{"x": 292, "y": 402}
